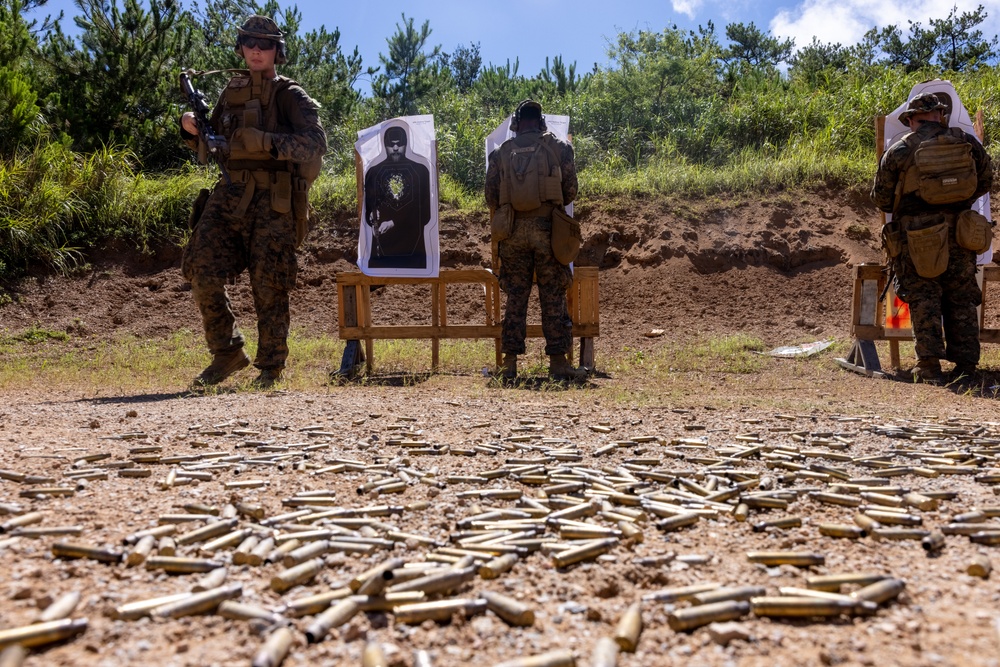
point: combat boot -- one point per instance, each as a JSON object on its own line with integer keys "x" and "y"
{"x": 508, "y": 369}
{"x": 561, "y": 369}
{"x": 928, "y": 371}
{"x": 223, "y": 365}
{"x": 268, "y": 378}
{"x": 963, "y": 372}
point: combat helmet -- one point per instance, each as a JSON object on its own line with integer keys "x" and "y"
{"x": 923, "y": 103}
{"x": 262, "y": 27}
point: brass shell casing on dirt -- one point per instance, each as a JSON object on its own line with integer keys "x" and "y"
{"x": 207, "y": 532}
{"x": 784, "y": 522}
{"x": 198, "y": 603}
{"x": 373, "y": 655}
{"x": 60, "y": 609}
{"x": 40, "y": 634}
{"x": 294, "y": 576}
{"x": 900, "y": 534}
{"x": 728, "y": 593}
{"x": 422, "y": 658}
{"x": 65, "y": 550}
{"x": 13, "y": 656}
{"x": 140, "y": 552}
{"x": 980, "y": 566}
{"x": 499, "y": 565}
{"x": 797, "y": 558}
{"x": 134, "y": 610}
{"x": 880, "y": 591}
{"x": 440, "y": 582}
{"x": 179, "y": 565}
{"x": 315, "y": 604}
{"x": 212, "y": 579}
{"x": 510, "y": 610}
{"x": 933, "y": 542}
{"x": 440, "y": 610}
{"x": 794, "y": 607}
{"x": 275, "y": 649}
{"x": 833, "y": 582}
{"x": 585, "y": 552}
{"x": 695, "y": 617}
{"x": 375, "y": 579}
{"x": 842, "y": 530}
{"x": 629, "y": 628}
{"x": 679, "y": 593}
{"x": 558, "y": 658}
{"x": 988, "y": 537}
{"x": 605, "y": 653}
{"x": 239, "y": 611}
{"x": 333, "y": 617}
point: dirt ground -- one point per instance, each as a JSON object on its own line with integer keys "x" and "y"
{"x": 778, "y": 268}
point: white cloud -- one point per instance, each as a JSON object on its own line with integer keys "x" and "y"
{"x": 846, "y": 21}
{"x": 686, "y": 7}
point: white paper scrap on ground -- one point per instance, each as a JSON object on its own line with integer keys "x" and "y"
{"x": 804, "y": 350}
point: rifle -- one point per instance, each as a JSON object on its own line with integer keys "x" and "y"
{"x": 217, "y": 145}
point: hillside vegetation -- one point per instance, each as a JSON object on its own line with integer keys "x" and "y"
{"x": 90, "y": 152}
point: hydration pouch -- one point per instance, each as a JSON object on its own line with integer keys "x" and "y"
{"x": 974, "y": 231}
{"x": 892, "y": 240}
{"x": 198, "y": 207}
{"x": 502, "y": 223}
{"x": 566, "y": 236}
{"x": 300, "y": 208}
{"x": 928, "y": 249}
{"x": 281, "y": 192}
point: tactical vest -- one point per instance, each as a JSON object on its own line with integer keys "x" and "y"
{"x": 940, "y": 170}
{"x": 530, "y": 173}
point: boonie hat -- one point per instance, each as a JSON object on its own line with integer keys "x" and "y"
{"x": 922, "y": 103}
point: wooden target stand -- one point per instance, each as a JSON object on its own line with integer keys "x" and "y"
{"x": 354, "y": 310}
{"x": 868, "y": 309}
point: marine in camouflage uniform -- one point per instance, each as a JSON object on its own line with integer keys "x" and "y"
{"x": 954, "y": 295}
{"x": 528, "y": 251}
{"x": 272, "y": 126}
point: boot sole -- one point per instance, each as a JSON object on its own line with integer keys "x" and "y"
{"x": 216, "y": 378}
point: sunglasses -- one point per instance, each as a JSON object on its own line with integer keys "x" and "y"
{"x": 258, "y": 43}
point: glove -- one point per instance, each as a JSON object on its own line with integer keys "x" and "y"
{"x": 253, "y": 140}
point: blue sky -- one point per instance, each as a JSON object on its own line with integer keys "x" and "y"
{"x": 580, "y": 31}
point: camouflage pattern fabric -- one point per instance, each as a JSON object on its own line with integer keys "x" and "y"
{"x": 262, "y": 241}
{"x": 954, "y": 295}
{"x": 527, "y": 252}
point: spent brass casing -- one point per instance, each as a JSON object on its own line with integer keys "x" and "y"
{"x": 933, "y": 542}
{"x": 275, "y": 649}
{"x": 559, "y": 658}
{"x": 966, "y": 528}
{"x": 314, "y": 604}
{"x": 784, "y": 522}
{"x": 40, "y": 634}
{"x": 374, "y": 580}
{"x": 989, "y": 537}
{"x": 258, "y": 553}
{"x": 135, "y": 610}
{"x": 46, "y": 531}
{"x": 585, "y": 552}
{"x": 440, "y": 610}
{"x": 679, "y": 593}
{"x": 294, "y": 576}
{"x": 605, "y": 653}
{"x": 833, "y": 582}
{"x": 880, "y": 591}
{"x": 841, "y": 530}
{"x": 741, "y": 512}
{"x": 629, "y": 628}
{"x": 867, "y": 523}
{"x": 797, "y": 558}
{"x": 894, "y": 518}
{"x": 388, "y": 601}
{"x": 13, "y": 656}
{"x": 422, "y": 658}
{"x": 835, "y": 499}
{"x": 26, "y": 519}
{"x": 630, "y": 531}
{"x": 178, "y": 565}
{"x": 790, "y": 607}
{"x": 162, "y": 530}
{"x": 239, "y": 611}
{"x": 921, "y": 501}
{"x": 207, "y": 532}
{"x": 65, "y": 550}
{"x": 440, "y": 582}
{"x": 242, "y": 552}
{"x": 198, "y": 603}
{"x": 233, "y": 538}
{"x": 494, "y": 568}
{"x": 510, "y": 610}
{"x": 678, "y": 521}
{"x": 306, "y": 552}
{"x": 728, "y": 593}
{"x": 695, "y": 617}
{"x": 373, "y": 655}
{"x": 140, "y": 552}
{"x": 212, "y": 579}
{"x": 900, "y": 533}
{"x": 60, "y": 609}
{"x": 980, "y": 566}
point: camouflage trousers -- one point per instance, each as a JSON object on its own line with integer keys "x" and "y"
{"x": 526, "y": 254}
{"x": 943, "y": 308}
{"x": 222, "y": 246}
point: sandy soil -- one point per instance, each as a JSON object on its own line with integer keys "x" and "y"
{"x": 778, "y": 269}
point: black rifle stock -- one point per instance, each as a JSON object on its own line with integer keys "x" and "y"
{"x": 217, "y": 145}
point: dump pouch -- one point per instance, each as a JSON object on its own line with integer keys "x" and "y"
{"x": 928, "y": 248}
{"x": 892, "y": 240}
{"x": 974, "y": 231}
{"x": 281, "y": 192}
{"x": 502, "y": 223}
{"x": 566, "y": 236}
{"x": 198, "y": 207}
